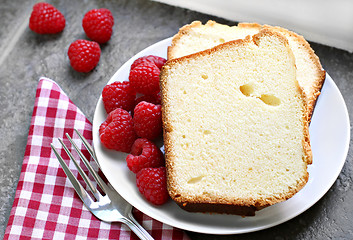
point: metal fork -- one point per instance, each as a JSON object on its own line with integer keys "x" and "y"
{"x": 110, "y": 207}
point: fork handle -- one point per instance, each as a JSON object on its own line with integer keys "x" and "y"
{"x": 137, "y": 228}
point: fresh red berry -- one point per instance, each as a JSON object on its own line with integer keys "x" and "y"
{"x": 144, "y": 78}
{"x": 46, "y": 19}
{"x": 152, "y": 184}
{"x": 155, "y": 99}
{"x": 144, "y": 153}
{"x": 118, "y": 95}
{"x": 159, "y": 61}
{"x": 84, "y": 55}
{"x": 117, "y": 131}
{"x": 98, "y": 24}
{"x": 148, "y": 120}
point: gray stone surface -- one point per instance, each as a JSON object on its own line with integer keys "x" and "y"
{"x": 25, "y": 56}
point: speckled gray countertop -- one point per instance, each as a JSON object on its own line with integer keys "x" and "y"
{"x": 25, "y": 56}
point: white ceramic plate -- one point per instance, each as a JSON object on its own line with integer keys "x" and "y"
{"x": 330, "y": 135}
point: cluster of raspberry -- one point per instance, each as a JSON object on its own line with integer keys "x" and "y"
{"x": 136, "y": 133}
{"x": 98, "y": 24}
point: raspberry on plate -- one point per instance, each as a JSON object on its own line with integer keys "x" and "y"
{"x": 144, "y": 153}
{"x": 159, "y": 61}
{"x": 155, "y": 99}
{"x": 144, "y": 78}
{"x": 84, "y": 55}
{"x": 152, "y": 184}
{"x": 117, "y": 131}
{"x": 148, "y": 120}
{"x": 46, "y": 19}
{"x": 98, "y": 24}
{"x": 118, "y": 95}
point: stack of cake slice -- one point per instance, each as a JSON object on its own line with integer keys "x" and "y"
{"x": 236, "y": 104}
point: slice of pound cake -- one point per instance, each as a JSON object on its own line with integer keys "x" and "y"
{"x": 197, "y": 37}
{"x": 235, "y": 126}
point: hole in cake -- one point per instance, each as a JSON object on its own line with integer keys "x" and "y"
{"x": 206, "y": 193}
{"x": 195, "y": 179}
{"x": 183, "y": 136}
{"x": 270, "y": 100}
{"x": 184, "y": 92}
{"x": 206, "y": 132}
{"x": 204, "y": 76}
{"x": 221, "y": 40}
{"x": 246, "y": 89}
{"x": 185, "y": 146}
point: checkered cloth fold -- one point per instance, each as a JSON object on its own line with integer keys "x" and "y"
{"x": 46, "y": 205}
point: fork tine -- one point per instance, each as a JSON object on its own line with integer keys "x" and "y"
{"x": 88, "y": 146}
{"x": 98, "y": 179}
{"x": 82, "y": 173}
{"x": 86, "y": 199}
{"x": 111, "y": 207}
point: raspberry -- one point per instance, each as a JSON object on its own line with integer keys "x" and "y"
{"x": 118, "y": 95}
{"x": 152, "y": 184}
{"x": 159, "y": 61}
{"x": 98, "y": 25}
{"x": 117, "y": 131}
{"x": 144, "y": 78}
{"x": 46, "y": 19}
{"x": 84, "y": 55}
{"x": 148, "y": 120}
{"x": 155, "y": 99}
{"x": 144, "y": 154}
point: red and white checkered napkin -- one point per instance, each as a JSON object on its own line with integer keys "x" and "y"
{"x": 46, "y": 205}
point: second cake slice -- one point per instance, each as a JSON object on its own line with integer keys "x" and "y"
{"x": 196, "y": 37}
